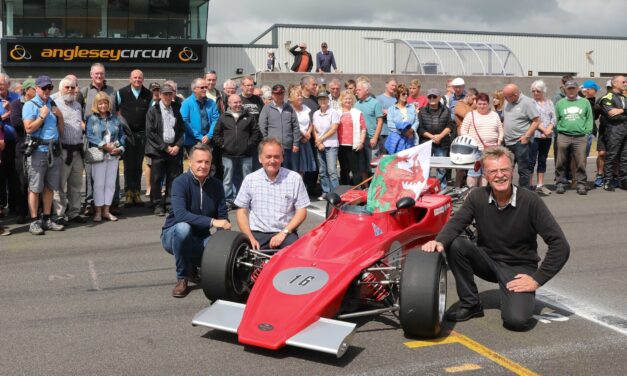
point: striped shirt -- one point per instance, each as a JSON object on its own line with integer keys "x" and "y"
{"x": 272, "y": 204}
{"x": 489, "y": 127}
{"x": 72, "y": 118}
{"x": 169, "y": 121}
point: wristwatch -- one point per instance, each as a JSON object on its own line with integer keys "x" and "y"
{"x": 285, "y": 231}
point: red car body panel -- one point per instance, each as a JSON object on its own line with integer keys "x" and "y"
{"x": 342, "y": 247}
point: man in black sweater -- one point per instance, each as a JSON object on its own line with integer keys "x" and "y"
{"x": 508, "y": 221}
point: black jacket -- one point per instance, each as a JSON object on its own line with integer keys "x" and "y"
{"x": 237, "y": 138}
{"x": 609, "y": 102}
{"x": 298, "y": 56}
{"x": 435, "y": 121}
{"x": 155, "y": 147}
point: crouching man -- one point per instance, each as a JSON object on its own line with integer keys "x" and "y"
{"x": 197, "y": 206}
{"x": 508, "y": 220}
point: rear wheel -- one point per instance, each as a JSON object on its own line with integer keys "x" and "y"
{"x": 340, "y": 190}
{"x": 222, "y": 274}
{"x": 423, "y": 294}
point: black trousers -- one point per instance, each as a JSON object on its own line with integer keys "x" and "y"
{"x": 163, "y": 170}
{"x": 133, "y": 158}
{"x": 467, "y": 260}
{"x": 8, "y": 177}
{"x": 615, "y": 141}
{"x": 264, "y": 239}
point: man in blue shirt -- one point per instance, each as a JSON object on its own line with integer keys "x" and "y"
{"x": 387, "y": 99}
{"x": 325, "y": 59}
{"x": 43, "y": 123}
{"x": 373, "y": 117}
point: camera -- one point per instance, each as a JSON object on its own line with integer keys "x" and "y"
{"x": 31, "y": 146}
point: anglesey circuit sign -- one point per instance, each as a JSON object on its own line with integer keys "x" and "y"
{"x": 39, "y": 52}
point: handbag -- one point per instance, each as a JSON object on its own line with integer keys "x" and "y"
{"x": 94, "y": 154}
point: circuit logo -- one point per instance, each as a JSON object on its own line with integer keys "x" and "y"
{"x": 19, "y": 53}
{"x": 187, "y": 55}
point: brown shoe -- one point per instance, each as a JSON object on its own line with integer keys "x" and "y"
{"x": 180, "y": 290}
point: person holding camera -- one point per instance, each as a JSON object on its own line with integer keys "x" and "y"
{"x": 43, "y": 123}
{"x": 105, "y": 132}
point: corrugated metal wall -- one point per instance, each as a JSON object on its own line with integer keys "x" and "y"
{"x": 363, "y": 51}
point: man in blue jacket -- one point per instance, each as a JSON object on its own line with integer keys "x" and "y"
{"x": 200, "y": 115}
{"x": 197, "y": 205}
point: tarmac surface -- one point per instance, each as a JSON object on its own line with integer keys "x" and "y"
{"x": 96, "y": 300}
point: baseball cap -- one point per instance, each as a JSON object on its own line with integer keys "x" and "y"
{"x": 28, "y": 83}
{"x": 570, "y": 84}
{"x": 434, "y": 91}
{"x": 458, "y": 82}
{"x": 278, "y": 89}
{"x": 167, "y": 88}
{"x": 42, "y": 81}
{"x": 589, "y": 84}
{"x": 323, "y": 94}
{"x": 154, "y": 85}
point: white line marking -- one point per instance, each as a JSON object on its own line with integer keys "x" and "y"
{"x": 319, "y": 212}
{"x": 94, "y": 275}
{"x": 581, "y": 309}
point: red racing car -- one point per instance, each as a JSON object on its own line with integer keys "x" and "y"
{"x": 355, "y": 263}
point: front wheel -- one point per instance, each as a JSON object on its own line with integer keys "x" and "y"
{"x": 423, "y": 294}
{"x": 222, "y": 274}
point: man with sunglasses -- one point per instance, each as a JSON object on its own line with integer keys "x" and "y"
{"x": 43, "y": 123}
{"x": 508, "y": 221}
{"x": 613, "y": 111}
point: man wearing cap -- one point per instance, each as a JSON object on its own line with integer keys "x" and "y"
{"x": 521, "y": 121}
{"x": 459, "y": 92}
{"x": 43, "y": 122}
{"x": 325, "y": 59}
{"x": 278, "y": 120}
{"x": 155, "y": 89}
{"x": 590, "y": 90}
{"x": 133, "y": 102}
{"x": 164, "y": 140}
{"x": 303, "y": 61}
{"x": 574, "y": 118}
{"x": 613, "y": 110}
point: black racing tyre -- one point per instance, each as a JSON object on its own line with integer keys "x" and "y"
{"x": 221, "y": 276}
{"x": 340, "y": 190}
{"x": 423, "y": 294}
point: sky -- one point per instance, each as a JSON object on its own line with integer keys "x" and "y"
{"x": 241, "y": 21}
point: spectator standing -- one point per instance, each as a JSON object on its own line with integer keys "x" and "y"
{"x": 278, "y": 120}
{"x": 133, "y": 102}
{"x": 98, "y": 83}
{"x": 3, "y": 231}
{"x": 539, "y": 148}
{"x": 574, "y": 118}
{"x": 351, "y": 134}
{"x": 387, "y": 99}
{"x": 398, "y": 116}
{"x": 350, "y": 85}
{"x": 373, "y": 116}
{"x": 43, "y": 123}
{"x": 8, "y": 173}
{"x": 165, "y": 128}
{"x": 303, "y": 61}
{"x": 305, "y": 156}
{"x": 197, "y": 206}
{"x": 590, "y": 90}
{"x": 456, "y": 92}
{"x": 498, "y": 102}
{"x": 273, "y": 201}
{"x": 212, "y": 93}
{"x": 613, "y": 111}
{"x": 251, "y": 104}
{"x": 105, "y": 131}
{"x": 237, "y": 134}
{"x": 485, "y": 127}
{"x": 335, "y": 88}
{"x": 21, "y": 192}
{"x": 436, "y": 124}
{"x": 325, "y": 59}
{"x": 325, "y": 124}
{"x": 521, "y": 121}
{"x": 414, "y": 97}
{"x": 67, "y": 200}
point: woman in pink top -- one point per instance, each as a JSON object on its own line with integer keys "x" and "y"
{"x": 485, "y": 127}
{"x": 351, "y": 134}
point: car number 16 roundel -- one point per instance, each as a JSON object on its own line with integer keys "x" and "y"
{"x": 300, "y": 281}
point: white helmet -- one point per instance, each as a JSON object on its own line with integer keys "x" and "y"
{"x": 464, "y": 150}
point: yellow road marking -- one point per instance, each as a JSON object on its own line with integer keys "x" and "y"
{"x": 455, "y": 337}
{"x": 463, "y": 368}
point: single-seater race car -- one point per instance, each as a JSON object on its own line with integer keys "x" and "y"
{"x": 362, "y": 260}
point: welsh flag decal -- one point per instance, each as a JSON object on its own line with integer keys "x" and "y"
{"x": 399, "y": 175}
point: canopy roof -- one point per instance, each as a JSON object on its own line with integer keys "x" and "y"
{"x": 454, "y": 58}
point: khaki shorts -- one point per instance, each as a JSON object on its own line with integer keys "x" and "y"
{"x": 40, "y": 174}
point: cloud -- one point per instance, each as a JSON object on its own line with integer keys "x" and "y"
{"x": 580, "y": 17}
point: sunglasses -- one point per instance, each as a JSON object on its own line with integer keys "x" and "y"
{"x": 47, "y": 87}
{"x": 201, "y": 87}
{"x": 431, "y": 96}
{"x": 70, "y": 87}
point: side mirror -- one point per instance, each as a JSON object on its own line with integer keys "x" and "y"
{"x": 334, "y": 199}
{"x": 405, "y": 202}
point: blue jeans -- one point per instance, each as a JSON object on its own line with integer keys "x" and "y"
{"x": 186, "y": 247}
{"x": 235, "y": 169}
{"x": 438, "y": 151}
{"x": 327, "y": 166}
{"x": 521, "y": 156}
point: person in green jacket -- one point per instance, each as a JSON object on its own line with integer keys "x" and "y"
{"x": 574, "y": 118}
